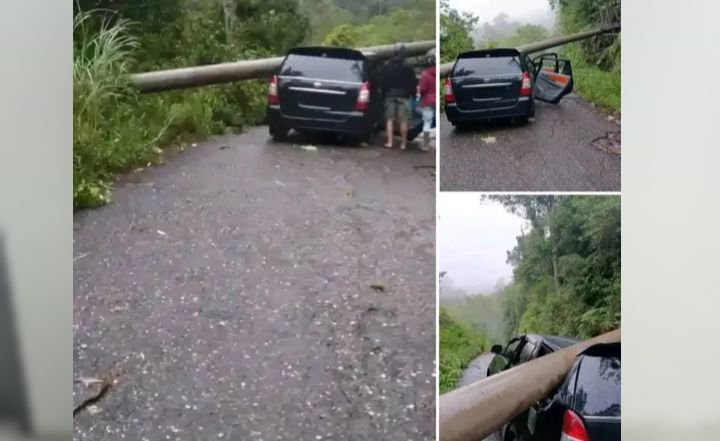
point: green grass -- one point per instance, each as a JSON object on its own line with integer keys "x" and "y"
{"x": 459, "y": 345}
{"x": 597, "y": 86}
{"x": 594, "y": 84}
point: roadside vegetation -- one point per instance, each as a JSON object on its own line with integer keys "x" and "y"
{"x": 117, "y": 130}
{"x": 566, "y": 267}
{"x": 459, "y": 345}
{"x": 566, "y": 271}
{"x": 595, "y": 61}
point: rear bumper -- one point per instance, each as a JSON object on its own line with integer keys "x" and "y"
{"x": 355, "y": 123}
{"x": 519, "y": 110}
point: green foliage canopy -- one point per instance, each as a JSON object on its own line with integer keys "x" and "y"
{"x": 566, "y": 267}
{"x": 577, "y": 15}
{"x": 455, "y": 30}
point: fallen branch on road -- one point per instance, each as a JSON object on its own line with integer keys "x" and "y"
{"x": 107, "y": 382}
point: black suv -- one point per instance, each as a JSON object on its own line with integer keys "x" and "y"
{"x": 330, "y": 90}
{"x": 586, "y": 407}
{"x": 523, "y": 349}
{"x": 520, "y": 350}
{"x": 503, "y": 83}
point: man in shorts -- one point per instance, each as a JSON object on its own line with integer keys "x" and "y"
{"x": 399, "y": 86}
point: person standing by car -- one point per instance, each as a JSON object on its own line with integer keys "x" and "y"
{"x": 427, "y": 89}
{"x": 399, "y": 85}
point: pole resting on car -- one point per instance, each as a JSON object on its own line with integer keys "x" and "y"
{"x": 196, "y": 76}
{"x": 547, "y": 44}
{"x": 477, "y": 410}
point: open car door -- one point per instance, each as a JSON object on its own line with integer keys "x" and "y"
{"x": 553, "y": 78}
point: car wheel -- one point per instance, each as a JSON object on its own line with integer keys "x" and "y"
{"x": 278, "y": 132}
{"x": 531, "y": 113}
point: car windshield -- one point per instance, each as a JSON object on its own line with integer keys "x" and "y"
{"x": 598, "y": 387}
{"x": 324, "y": 68}
{"x": 487, "y": 66}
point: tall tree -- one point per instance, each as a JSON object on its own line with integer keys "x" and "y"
{"x": 576, "y": 15}
{"x": 455, "y": 31}
{"x": 567, "y": 266}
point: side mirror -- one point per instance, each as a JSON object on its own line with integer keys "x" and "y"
{"x": 496, "y": 349}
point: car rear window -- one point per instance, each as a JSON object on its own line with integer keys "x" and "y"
{"x": 325, "y": 68}
{"x": 487, "y": 66}
{"x": 598, "y": 387}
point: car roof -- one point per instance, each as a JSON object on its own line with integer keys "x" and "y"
{"x": 603, "y": 350}
{"x": 329, "y": 52}
{"x": 554, "y": 341}
{"x": 500, "y": 52}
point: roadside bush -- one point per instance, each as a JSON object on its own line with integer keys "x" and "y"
{"x": 594, "y": 84}
{"x": 596, "y": 61}
{"x": 459, "y": 345}
{"x": 115, "y": 129}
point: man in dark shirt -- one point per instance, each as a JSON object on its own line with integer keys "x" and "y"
{"x": 399, "y": 86}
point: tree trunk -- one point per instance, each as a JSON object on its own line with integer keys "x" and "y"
{"x": 555, "y": 272}
{"x": 229, "y": 15}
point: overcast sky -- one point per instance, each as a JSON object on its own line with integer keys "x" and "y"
{"x": 526, "y": 11}
{"x": 473, "y": 240}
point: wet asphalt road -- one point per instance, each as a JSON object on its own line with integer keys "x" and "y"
{"x": 568, "y": 147}
{"x": 230, "y": 291}
{"x": 476, "y": 370}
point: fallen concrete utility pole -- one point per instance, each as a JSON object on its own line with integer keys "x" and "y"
{"x": 477, "y": 410}
{"x": 547, "y": 44}
{"x": 187, "y": 77}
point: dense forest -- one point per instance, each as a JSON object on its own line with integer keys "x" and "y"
{"x": 566, "y": 267}
{"x": 596, "y": 61}
{"x": 116, "y": 130}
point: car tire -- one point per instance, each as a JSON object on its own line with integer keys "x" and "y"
{"x": 531, "y": 113}
{"x": 278, "y": 132}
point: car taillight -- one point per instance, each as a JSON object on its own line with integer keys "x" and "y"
{"x": 526, "y": 88}
{"x": 273, "y": 97}
{"x": 363, "y": 100}
{"x": 449, "y": 96}
{"x": 573, "y": 428}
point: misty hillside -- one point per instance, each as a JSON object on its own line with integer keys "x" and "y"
{"x": 503, "y": 30}
{"x": 483, "y": 312}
